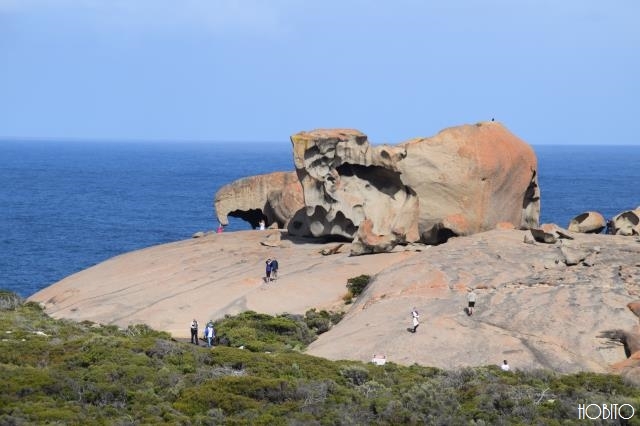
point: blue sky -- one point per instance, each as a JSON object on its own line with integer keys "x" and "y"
{"x": 554, "y": 72}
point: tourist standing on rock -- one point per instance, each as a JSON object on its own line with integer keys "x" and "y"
{"x": 415, "y": 319}
{"x": 210, "y": 333}
{"x": 261, "y": 225}
{"x": 267, "y": 277}
{"x": 505, "y": 366}
{"x": 471, "y": 299}
{"x": 274, "y": 269}
{"x": 194, "y": 331}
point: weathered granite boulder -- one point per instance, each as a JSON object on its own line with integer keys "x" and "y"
{"x": 347, "y": 181}
{"x": 469, "y": 178}
{"x": 588, "y": 223}
{"x": 464, "y": 180}
{"x": 626, "y": 223}
{"x": 273, "y": 197}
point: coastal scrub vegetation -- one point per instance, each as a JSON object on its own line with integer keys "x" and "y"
{"x": 265, "y": 333}
{"x": 355, "y": 287}
{"x": 65, "y": 372}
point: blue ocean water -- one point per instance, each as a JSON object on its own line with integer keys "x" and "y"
{"x": 65, "y": 206}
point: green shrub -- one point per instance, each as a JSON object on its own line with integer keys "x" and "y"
{"x": 356, "y": 285}
{"x": 321, "y": 322}
{"x": 355, "y": 374}
{"x": 261, "y": 332}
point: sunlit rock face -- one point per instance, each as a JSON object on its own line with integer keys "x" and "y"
{"x": 464, "y": 180}
{"x": 470, "y": 178}
{"x": 273, "y": 197}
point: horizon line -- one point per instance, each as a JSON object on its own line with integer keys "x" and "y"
{"x": 222, "y": 141}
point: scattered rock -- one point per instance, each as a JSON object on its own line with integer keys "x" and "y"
{"x": 274, "y": 239}
{"x": 528, "y": 238}
{"x": 626, "y": 223}
{"x": 333, "y": 250}
{"x": 588, "y": 223}
{"x": 543, "y": 237}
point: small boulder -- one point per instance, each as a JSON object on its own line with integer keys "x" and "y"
{"x": 626, "y": 223}
{"x": 528, "y": 238}
{"x": 272, "y": 240}
{"x": 543, "y": 237}
{"x": 588, "y": 223}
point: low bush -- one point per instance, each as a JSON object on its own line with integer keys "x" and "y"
{"x": 356, "y": 285}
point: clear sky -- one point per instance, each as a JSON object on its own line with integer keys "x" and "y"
{"x": 554, "y": 72}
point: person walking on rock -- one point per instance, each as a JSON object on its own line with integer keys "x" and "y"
{"x": 210, "y": 333}
{"x": 415, "y": 320}
{"x": 274, "y": 269}
{"x": 194, "y": 331}
{"x": 471, "y": 299}
{"x": 267, "y": 277}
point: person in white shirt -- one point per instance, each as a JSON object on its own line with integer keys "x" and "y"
{"x": 210, "y": 333}
{"x": 471, "y": 298}
{"x": 416, "y": 319}
{"x": 505, "y": 366}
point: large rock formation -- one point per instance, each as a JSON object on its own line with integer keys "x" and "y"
{"x": 346, "y": 182}
{"x": 464, "y": 180}
{"x": 273, "y": 197}
{"x": 539, "y": 305}
{"x": 470, "y": 178}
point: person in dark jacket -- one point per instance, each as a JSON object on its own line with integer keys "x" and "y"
{"x": 274, "y": 269}
{"x": 194, "y": 331}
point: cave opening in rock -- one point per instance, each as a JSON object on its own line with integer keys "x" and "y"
{"x": 253, "y": 216}
{"x": 384, "y": 180}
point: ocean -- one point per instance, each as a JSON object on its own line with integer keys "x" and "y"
{"x": 65, "y": 206}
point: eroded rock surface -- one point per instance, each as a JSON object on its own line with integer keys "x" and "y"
{"x": 347, "y": 181}
{"x": 464, "y": 180}
{"x": 273, "y": 197}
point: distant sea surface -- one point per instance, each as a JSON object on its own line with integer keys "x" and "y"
{"x": 65, "y": 206}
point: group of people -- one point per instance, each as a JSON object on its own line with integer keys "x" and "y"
{"x": 271, "y": 272}
{"x": 209, "y": 333}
